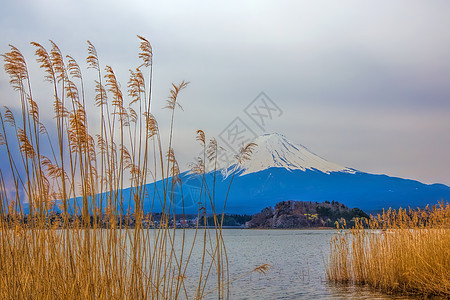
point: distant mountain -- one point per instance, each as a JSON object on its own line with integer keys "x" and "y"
{"x": 275, "y": 151}
{"x": 280, "y": 170}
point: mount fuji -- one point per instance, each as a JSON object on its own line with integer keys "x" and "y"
{"x": 275, "y": 151}
{"x": 280, "y": 170}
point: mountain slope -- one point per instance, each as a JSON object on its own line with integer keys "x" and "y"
{"x": 280, "y": 170}
{"x": 274, "y": 150}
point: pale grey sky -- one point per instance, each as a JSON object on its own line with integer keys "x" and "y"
{"x": 365, "y": 84}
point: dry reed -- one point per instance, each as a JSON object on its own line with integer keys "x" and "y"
{"x": 400, "y": 251}
{"x": 64, "y": 230}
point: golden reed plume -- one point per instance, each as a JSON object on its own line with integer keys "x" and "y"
{"x": 72, "y": 221}
{"x": 402, "y": 251}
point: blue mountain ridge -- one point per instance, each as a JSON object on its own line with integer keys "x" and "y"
{"x": 280, "y": 170}
{"x": 250, "y": 193}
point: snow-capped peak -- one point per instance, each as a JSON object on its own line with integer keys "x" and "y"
{"x": 275, "y": 150}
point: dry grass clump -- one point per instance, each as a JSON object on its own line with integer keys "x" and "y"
{"x": 65, "y": 232}
{"x": 400, "y": 251}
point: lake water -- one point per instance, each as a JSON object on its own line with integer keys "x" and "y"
{"x": 297, "y": 260}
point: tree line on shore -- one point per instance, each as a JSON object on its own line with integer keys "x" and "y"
{"x": 285, "y": 214}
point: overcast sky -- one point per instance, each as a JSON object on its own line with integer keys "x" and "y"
{"x": 365, "y": 84}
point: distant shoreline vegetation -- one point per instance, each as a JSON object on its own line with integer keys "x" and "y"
{"x": 285, "y": 215}
{"x": 305, "y": 214}
{"x": 322, "y": 215}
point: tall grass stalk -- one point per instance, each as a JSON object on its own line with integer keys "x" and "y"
{"x": 400, "y": 251}
{"x": 64, "y": 229}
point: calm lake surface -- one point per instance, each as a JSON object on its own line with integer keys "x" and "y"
{"x": 297, "y": 260}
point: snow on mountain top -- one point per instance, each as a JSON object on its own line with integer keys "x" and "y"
{"x": 275, "y": 150}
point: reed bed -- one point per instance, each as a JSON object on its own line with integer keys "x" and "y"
{"x": 65, "y": 231}
{"x": 401, "y": 251}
